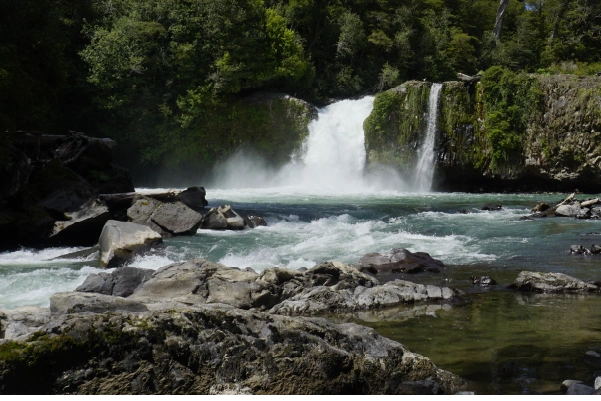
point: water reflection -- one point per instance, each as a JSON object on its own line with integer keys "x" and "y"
{"x": 505, "y": 343}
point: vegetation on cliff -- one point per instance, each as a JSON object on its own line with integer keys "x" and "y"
{"x": 164, "y": 75}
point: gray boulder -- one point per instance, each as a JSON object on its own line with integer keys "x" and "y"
{"x": 551, "y": 282}
{"x": 580, "y": 389}
{"x": 121, "y": 282}
{"x": 120, "y": 241}
{"x": 16, "y": 323}
{"x": 194, "y": 198}
{"x": 89, "y": 217}
{"x": 75, "y": 302}
{"x": 166, "y": 218}
{"x": 393, "y": 264}
{"x": 568, "y": 210}
{"x": 222, "y": 218}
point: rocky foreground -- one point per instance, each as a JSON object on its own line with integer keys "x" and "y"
{"x": 200, "y": 327}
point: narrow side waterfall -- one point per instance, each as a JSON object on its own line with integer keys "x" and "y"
{"x": 424, "y": 170}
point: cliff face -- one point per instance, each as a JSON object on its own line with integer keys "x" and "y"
{"x": 520, "y": 133}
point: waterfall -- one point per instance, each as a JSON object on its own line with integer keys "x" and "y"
{"x": 331, "y": 161}
{"x": 335, "y": 148}
{"x": 424, "y": 170}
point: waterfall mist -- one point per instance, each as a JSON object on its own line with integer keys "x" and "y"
{"x": 332, "y": 158}
{"x": 424, "y": 170}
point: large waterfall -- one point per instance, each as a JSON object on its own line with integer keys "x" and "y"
{"x": 424, "y": 170}
{"x": 332, "y": 158}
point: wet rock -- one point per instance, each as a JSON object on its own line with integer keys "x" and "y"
{"x": 86, "y": 220}
{"x": 79, "y": 254}
{"x": 75, "y": 302}
{"x": 121, "y": 282}
{"x": 253, "y": 221}
{"x": 194, "y": 198}
{"x": 398, "y": 261}
{"x": 592, "y": 358}
{"x": 213, "y": 349}
{"x": 597, "y": 383}
{"x": 580, "y": 389}
{"x": 491, "y": 206}
{"x": 15, "y": 323}
{"x": 483, "y": 281}
{"x": 222, "y": 218}
{"x": 177, "y": 218}
{"x": 584, "y": 214}
{"x": 541, "y": 207}
{"x": 595, "y": 249}
{"x": 166, "y": 218}
{"x": 551, "y": 282}
{"x": 579, "y": 250}
{"x": 567, "y": 383}
{"x": 120, "y": 242}
{"x": 568, "y": 210}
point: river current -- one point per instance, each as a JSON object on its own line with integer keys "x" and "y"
{"x": 324, "y": 208}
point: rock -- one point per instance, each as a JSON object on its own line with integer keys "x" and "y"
{"x": 120, "y": 242}
{"x": 484, "y": 281}
{"x": 398, "y": 261}
{"x": 177, "y": 218}
{"x": 579, "y": 250}
{"x": 584, "y": 214}
{"x": 595, "y": 249}
{"x": 551, "y": 282}
{"x": 16, "y": 323}
{"x": 121, "y": 282}
{"x": 75, "y": 302}
{"x": 597, "y": 383}
{"x": 214, "y": 349}
{"x": 568, "y": 210}
{"x": 541, "y": 207}
{"x": 79, "y": 254}
{"x": 593, "y": 359}
{"x": 88, "y": 220}
{"x": 491, "y": 206}
{"x": 253, "y": 221}
{"x": 222, "y": 218}
{"x": 580, "y": 389}
{"x": 567, "y": 383}
{"x": 194, "y": 198}
{"x": 166, "y": 218}
{"x": 465, "y": 393}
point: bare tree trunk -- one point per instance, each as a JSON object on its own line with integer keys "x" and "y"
{"x": 499, "y": 20}
{"x": 562, "y": 9}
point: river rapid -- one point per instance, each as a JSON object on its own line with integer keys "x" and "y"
{"x": 323, "y": 207}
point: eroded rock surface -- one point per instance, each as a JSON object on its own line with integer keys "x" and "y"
{"x": 214, "y": 350}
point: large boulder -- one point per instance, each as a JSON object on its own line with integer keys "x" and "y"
{"x": 121, "y": 282}
{"x": 568, "y": 210}
{"x": 194, "y": 198}
{"x": 119, "y": 241}
{"x": 87, "y": 221}
{"x": 166, "y": 218}
{"x": 393, "y": 264}
{"x": 222, "y": 218}
{"x": 214, "y": 350}
{"x": 551, "y": 282}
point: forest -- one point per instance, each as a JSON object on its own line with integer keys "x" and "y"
{"x": 157, "y": 74}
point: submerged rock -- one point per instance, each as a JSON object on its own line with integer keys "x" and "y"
{"x": 120, "y": 242}
{"x": 484, "y": 281}
{"x": 214, "y": 350}
{"x": 253, "y": 221}
{"x": 491, "y": 206}
{"x": 579, "y": 250}
{"x": 551, "y": 282}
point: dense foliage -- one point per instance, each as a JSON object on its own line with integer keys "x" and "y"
{"x": 156, "y": 74}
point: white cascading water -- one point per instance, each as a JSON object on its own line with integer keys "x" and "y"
{"x": 335, "y": 147}
{"x": 424, "y": 170}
